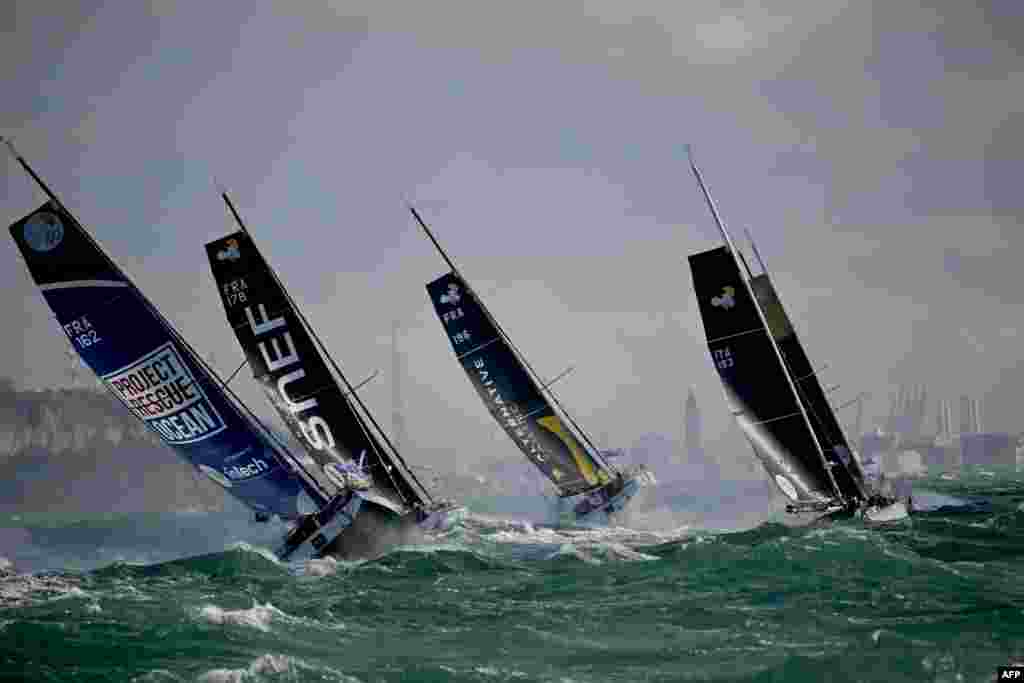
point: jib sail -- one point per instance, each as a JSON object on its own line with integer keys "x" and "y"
{"x": 509, "y": 391}
{"x": 819, "y": 411}
{"x": 755, "y": 382}
{"x": 286, "y": 362}
{"x": 148, "y": 367}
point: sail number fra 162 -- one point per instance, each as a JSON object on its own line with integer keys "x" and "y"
{"x": 82, "y": 333}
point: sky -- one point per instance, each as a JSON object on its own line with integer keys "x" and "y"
{"x": 874, "y": 149}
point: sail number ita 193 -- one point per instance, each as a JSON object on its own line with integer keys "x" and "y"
{"x": 161, "y": 391}
{"x": 723, "y": 357}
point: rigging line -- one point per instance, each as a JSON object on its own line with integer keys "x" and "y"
{"x": 348, "y": 385}
{"x": 312, "y": 487}
{"x": 241, "y": 365}
{"x": 595, "y": 454}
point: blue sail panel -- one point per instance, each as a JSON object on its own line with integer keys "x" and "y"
{"x": 509, "y": 393}
{"x": 141, "y": 362}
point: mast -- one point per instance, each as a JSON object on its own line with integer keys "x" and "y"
{"x": 595, "y": 453}
{"x": 350, "y": 390}
{"x": 741, "y": 266}
{"x": 397, "y": 412}
{"x": 278, "y": 451}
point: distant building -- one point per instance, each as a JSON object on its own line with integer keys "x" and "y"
{"x": 990, "y": 448}
{"x": 692, "y": 438}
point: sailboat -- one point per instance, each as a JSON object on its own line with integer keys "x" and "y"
{"x": 773, "y": 390}
{"x": 348, "y": 453}
{"x": 147, "y": 366}
{"x": 518, "y": 401}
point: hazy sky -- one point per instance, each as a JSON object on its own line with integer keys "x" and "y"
{"x": 874, "y": 148}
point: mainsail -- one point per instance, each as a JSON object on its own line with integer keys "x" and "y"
{"x": 510, "y": 390}
{"x": 149, "y": 367}
{"x": 511, "y": 395}
{"x": 756, "y": 387}
{"x": 770, "y": 384}
{"x": 284, "y": 359}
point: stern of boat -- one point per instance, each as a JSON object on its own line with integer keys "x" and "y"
{"x": 599, "y": 507}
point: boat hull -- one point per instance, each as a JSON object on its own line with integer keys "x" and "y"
{"x": 806, "y": 518}
{"x": 377, "y": 529}
{"x": 896, "y": 511}
{"x": 589, "y": 513}
{"x": 362, "y": 528}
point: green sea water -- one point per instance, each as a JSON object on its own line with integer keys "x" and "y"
{"x": 936, "y": 598}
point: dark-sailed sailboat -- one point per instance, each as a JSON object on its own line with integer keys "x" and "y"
{"x": 515, "y": 396}
{"x": 773, "y": 390}
{"x": 150, "y": 368}
{"x": 349, "y": 455}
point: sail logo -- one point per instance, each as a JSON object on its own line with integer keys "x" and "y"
{"x": 227, "y": 476}
{"x": 727, "y": 300}
{"x": 216, "y": 475}
{"x": 508, "y": 414}
{"x": 43, "y": 232}
{"x": 314, "y": 428}
{"x": 161, "y": 391}
{"x": 232, "y": 253}
{"x": 452, "y": 297}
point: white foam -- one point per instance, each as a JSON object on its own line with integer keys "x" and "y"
{"x": 273, "y": 665}
{"x": 258, "y": 616}
{"x": 327, "y": 566}
{"x": 17, "y": 590}
{"x": 265, "y": 553}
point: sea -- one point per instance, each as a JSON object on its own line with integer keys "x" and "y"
{"x": 199, "y": 597}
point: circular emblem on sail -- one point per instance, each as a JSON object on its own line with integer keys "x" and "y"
{"x": 787, "y": 486}
{"x": 43, "y": 231}
{"x": 216, "y": 475}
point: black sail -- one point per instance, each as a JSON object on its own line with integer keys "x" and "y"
{"x": 285, "y": 361}
{"x": 755, "y": 382}
{"x": 819, "y": 411}
{"x": 510, "y": 393}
